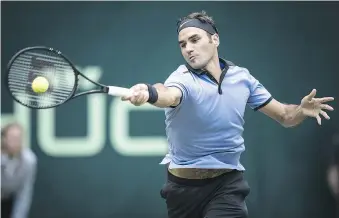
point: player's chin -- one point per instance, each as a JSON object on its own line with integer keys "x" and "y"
{"x": 196, "y": 65}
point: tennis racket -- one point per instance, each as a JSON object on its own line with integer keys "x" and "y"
{"x": 58, "y": 73}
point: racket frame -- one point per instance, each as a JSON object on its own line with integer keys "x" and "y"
{"x": 104, "y": 89}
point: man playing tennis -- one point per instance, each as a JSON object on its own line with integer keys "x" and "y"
{"x": 204, "y": 103}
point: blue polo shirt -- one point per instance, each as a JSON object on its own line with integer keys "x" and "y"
{"x": 205, "y": 129}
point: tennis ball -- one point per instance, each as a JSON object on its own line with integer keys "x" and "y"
{"x": 40, "y": 84}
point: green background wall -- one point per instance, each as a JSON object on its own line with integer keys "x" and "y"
{"x": 291, "y": 47}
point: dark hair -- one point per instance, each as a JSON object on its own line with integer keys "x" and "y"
{"x": 202, "y": 16}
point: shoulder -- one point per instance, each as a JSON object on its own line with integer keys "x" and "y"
{"x": 29, "y": 157}
{"x": 239, "y": 71}
{"x": 243, "y": 75}
{"x": 181, "y": 73}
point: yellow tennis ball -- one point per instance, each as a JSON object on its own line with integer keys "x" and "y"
{"x": 40, "y": 84}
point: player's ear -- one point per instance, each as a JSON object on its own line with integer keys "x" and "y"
{"x": 215, "y": 40}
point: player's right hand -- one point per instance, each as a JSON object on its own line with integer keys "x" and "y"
{"x": 139, "y": 95}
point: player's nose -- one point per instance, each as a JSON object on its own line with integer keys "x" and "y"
{"x": 189, "y": 49}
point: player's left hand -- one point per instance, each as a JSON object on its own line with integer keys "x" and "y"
{"x": 314, "y": 107}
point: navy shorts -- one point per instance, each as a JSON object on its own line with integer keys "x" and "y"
{"x": 223, "y": 196}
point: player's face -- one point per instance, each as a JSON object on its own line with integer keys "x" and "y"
{"x": 13, "y": 140}
{"x": 197, "y": 47}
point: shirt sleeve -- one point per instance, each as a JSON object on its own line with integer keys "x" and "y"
{"x": 180, "y": 81}
{"x": 23, "y": 197}
{"x": 259, "y": 95}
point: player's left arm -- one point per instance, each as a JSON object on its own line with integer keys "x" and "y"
{"x": 290, "y": 115}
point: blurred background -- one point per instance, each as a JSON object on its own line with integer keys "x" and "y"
{"x": 99, "y": 157}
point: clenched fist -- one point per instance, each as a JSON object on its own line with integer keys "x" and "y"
{"x": 139, "y": 95}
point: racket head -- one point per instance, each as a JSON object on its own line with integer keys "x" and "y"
{"x": 40, "y": 61}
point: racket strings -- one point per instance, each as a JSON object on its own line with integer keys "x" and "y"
{"x": 32, "y": 64}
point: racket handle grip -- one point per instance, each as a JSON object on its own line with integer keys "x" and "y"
{"x": 118, "y": 91}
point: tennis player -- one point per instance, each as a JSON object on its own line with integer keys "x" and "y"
{"x": 204, "y": 103}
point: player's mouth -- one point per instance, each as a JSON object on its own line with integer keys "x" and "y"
{"x": 192, "y": 58}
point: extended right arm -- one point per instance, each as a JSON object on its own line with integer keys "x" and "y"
{"x": 166, "y": 96}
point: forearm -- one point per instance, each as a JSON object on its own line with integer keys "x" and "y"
{"x": 293, "y": 115}
{"x": 23, "y": 198}
{"x": 22, "y": 203}
{"x": 21, "y": 211}
{"x": 166, "y": 96}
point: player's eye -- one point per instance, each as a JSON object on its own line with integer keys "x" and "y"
{"x": 195, "y": 40}
{"x": 183, "y": 45}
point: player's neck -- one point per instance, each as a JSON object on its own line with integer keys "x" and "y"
{"x": 213, "y": 67}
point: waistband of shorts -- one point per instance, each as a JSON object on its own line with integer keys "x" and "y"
{"x": 195, "y": 182}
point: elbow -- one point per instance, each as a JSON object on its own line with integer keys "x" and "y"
{"x": 175, "y": 101}
{"x": 164, "y": 103}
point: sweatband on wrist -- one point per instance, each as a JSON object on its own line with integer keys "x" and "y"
{"x": 153, "y": 94}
